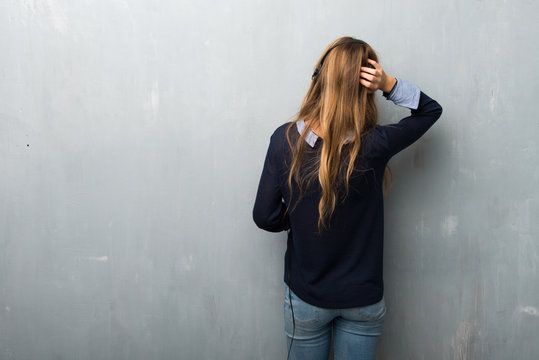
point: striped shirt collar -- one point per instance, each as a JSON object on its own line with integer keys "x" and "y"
{"x": 312, "y": 137}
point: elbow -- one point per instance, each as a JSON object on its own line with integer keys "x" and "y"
{"x": 259, "y": 219}
{"x": 434, "y": 110}
{"x": 439, "y": 110}
{"x": 265, "y": 222}
{"x": 429, "y": 107}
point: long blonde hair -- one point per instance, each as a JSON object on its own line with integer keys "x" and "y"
{"x": 338, "y": 105}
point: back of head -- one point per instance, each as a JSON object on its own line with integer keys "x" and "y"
{"x": 336, "y": 100}
{"x": 343, "y": 110}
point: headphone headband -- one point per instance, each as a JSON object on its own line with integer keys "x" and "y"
{"x": 317, "y": 71}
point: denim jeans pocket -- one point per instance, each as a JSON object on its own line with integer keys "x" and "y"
{"x": 375, "y": 311}
{"x": 304, "y": 313}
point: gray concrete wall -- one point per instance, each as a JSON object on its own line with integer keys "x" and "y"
{"x": 132, "y": 136}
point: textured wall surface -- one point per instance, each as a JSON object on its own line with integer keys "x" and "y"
{"x": 132, "y": 137}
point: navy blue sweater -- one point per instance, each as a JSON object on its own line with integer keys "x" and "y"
{"x": 342, "y": 266}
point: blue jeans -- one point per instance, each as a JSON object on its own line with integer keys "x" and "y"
{"x": 355, "y": 330}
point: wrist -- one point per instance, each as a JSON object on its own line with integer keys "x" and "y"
{"x": 390, "y": 81}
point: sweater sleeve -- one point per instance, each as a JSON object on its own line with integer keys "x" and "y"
{"x": 424, "y": 113}
{"x": 269, "y": 209}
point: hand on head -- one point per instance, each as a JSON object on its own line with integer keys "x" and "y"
{"x": 376, "y": 79}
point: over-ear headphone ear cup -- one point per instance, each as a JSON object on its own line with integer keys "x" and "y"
{"x": 315, "y": 74}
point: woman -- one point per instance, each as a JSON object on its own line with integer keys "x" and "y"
{"x": 323, "y": 181}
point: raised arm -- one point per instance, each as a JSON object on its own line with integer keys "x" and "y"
{"x": 424, "y": 114}
{"x": 424, "y": 110}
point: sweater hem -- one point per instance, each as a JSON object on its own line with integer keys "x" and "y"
{"x": 364, "y": 296}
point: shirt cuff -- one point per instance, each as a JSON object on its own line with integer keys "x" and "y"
{"x": 405, "y": 94}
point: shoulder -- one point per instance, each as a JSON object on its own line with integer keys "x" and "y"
{"x": 278, "y": 141}
{"x": 374, "y": 135}
{"x": 278, "y": 137}
{"x": 281, "y": 130}
{"x": 375, "y": 141}
{"x": 377, "y": 132}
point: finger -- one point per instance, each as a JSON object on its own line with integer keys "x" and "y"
{"x": 368, "y": 69}
{"x": 365, "y": 83}
{"x": 367, "y": 76}
{"x": 374, "y": 63}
